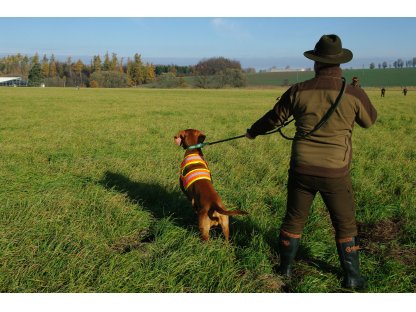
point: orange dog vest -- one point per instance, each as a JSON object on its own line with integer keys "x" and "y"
{"x": 195, "y": 174}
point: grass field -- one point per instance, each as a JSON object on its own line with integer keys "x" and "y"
{"x": 90, "y": 200}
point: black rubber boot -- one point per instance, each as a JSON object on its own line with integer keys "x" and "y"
{"x": 288, "y": 246}
{"x": 348, "y": 256}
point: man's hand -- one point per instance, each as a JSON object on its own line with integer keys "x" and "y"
{"x": 248, "y": 136}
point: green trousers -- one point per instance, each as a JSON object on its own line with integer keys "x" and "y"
{"x": 336, "y": 194}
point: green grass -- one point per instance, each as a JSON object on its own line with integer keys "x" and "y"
{"x": 90, "y": 200}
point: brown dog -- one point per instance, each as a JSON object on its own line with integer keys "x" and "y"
{"x": 195, "y": 182}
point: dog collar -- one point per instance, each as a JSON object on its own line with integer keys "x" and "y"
{"x": 199, "y": 145}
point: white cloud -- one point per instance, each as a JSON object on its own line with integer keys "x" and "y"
{"x": 220, "y": 23}
{"x": 229, "y": 27}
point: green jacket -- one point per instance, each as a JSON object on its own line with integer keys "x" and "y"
{"x": 328, "y": 151}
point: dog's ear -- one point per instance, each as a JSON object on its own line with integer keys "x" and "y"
{"x": 201, "y": 137}
{"x": 178, "y": 138}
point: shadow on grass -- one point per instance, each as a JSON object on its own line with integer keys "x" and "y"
{"x": 242, "y": 231}
{"x": 161, "y": 204}
{"x": 153, "y": 198}
{"x": 246, "y": 228}
{"x": 304, "y": 254}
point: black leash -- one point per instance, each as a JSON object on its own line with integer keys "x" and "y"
{"x": 201, "y": 145}
{"x": 301, "y": 135}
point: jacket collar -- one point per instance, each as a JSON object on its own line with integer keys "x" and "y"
{"x": 331, "y": 71}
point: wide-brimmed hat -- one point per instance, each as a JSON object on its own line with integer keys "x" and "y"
{"x": 329, "y": 50}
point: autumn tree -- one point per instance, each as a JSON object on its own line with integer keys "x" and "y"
{"x": 25, "y": 67}
{"x": 52, "y": 67}
{"x": 15, "y": 65}
{"x": 35, "y": 59}
{"x": 114, "y": 62}
{"x": 135, "y": 71}
{"x": 219, "y": 72}
{"x": 68, "y": 67}
{"x": 45, "y": 66}
{"x": 130, "y": 73}
{"x": 78, "y": 67}
{"x": 138, "y": 70}
{"x": 96, "y": 65}
{"x": 120, "y": 66}
{"x": 107, "y": 62}
{"x": 150, "y": 74}
{"x": 216, "y": 65}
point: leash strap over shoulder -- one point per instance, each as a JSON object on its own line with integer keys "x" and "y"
{"x": 324, "y": 119}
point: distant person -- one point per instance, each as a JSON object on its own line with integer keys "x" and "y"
{"x": 405, "y": 91}
{"x": 355, "y": 82}
{"x": 321, "y": 159}
{"x": 383, "y": 92}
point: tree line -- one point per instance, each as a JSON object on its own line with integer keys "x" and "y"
{"x": 399, "y": 63}
{"x": 113, "y": 71}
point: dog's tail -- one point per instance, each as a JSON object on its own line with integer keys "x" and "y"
{"x": 221, "y": 210}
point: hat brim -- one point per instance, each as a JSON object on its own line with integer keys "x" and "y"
{"x": 343, "y": 57}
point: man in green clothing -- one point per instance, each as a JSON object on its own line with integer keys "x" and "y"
{"x": 320, "y": 161}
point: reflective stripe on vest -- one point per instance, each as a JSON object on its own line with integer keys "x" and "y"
{"x": 196, "y": 174}
{"x": 192, "y": 159}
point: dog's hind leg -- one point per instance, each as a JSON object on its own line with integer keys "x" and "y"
{"x": 204, "y": 226}
{"x": 221, "y": 219}
{"x": 225, "y": 227}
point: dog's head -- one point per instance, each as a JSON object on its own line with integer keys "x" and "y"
{"x": 189, "y": 137}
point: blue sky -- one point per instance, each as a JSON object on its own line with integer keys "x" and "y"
{"x": 259, "y": 42}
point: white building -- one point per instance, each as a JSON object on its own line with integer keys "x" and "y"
{"x": 12, "y": 81}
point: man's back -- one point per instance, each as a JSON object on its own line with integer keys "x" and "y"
{"x": 326, "y": 152}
